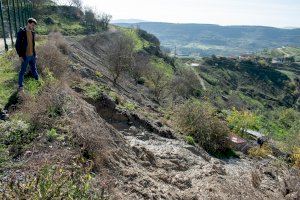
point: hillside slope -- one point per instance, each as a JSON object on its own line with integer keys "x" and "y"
{"x": 115, "y": 132}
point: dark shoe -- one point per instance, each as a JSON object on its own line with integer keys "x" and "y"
{"x": 20, "y": 89}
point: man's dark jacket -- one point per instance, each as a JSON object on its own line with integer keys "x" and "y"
{"x": 21, "y": 43}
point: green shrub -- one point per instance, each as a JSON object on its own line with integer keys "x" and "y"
{"x": 93, "y": 90}
{"x": 190, "y": 140}
{"x": 128, "y": 106}
{"x": 52, "y": 135}
{"x": 15, "y": 135}
{"x": 197, "y": 119}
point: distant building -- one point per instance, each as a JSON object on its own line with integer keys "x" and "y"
{"x": 277, "y": 61}
{"x": 194, "y": 64}
{"x": 253, "y": 133}
{"x": 245, "y": 56}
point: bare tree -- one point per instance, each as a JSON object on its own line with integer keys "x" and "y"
{"x": 76, "y": 3}
{"x": 140, "y": 67}
{"x": 119, "y": 55}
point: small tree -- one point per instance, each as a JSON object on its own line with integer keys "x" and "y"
{"x": 158, "y": 82}
{"x": 140, "y": 67}
{"x": 90, "y": 20}
{"x": 119, "y": 55}
{"x": 104, "y": 19}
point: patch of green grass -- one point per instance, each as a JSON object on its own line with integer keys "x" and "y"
{"x": 128, "y": 106}
{"x": 98, "y": 74}
{"x": 52, "y": 135}
{"x": 16, "y": 135}
{"x": 113, "y": 95}
{"x": 93, "y": 91}
{"x": 33, "y": 86}
{"x": 190, "y": 140}
{"x": 8, "y": 77}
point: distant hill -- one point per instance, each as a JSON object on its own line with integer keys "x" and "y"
{"x": 207, "y": 39}
{"x": 129, "y": 21}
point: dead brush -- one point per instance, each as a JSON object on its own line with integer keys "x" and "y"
{"x": 44, "y": 111}
{"x": 60, "y": 42}
{"x": 49, "y": 57}
{"x": 260, "y": 152}
{"x": 255, "y": 178}
{"x": 296, "y": 157}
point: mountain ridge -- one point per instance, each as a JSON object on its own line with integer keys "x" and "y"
{"x": 207, "y": 39}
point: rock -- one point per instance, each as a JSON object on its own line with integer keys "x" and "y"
{"x": 133, "y": 130}
{"x": 219, "y": 169}
{"x": 182, "y": 182}
{"x": 143, "y": 136}
{"x": 159, "y": 124}
{"x": 86, "y": 72}
{"x": 4, "y": 115}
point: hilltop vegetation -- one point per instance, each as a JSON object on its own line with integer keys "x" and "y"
{"x": 69, "y": 20}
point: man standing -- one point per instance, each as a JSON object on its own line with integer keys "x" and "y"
{"x": 25, "y": 47}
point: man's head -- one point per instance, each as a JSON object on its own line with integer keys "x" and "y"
{"x": 31, "y": 23}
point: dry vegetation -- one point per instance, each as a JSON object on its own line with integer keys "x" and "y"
{"x": 51, "y": 59}
{"x": 260, "y": 152}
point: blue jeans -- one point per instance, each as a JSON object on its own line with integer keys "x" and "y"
{"x": 32, "y": 62}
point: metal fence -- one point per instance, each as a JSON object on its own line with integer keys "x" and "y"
{"x": 13, "y": 15}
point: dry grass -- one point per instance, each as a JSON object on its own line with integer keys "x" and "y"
{"x": 260, "y": 152}
{"x": 50, "y": 58}
{"x": 255, "y": 178}
{"x": 296, "y": 157}
{"x": 44, "y": 111}
{"x": 60, "y": 42}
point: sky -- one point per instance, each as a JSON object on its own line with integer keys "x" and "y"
{"x": 276, "y": 13}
